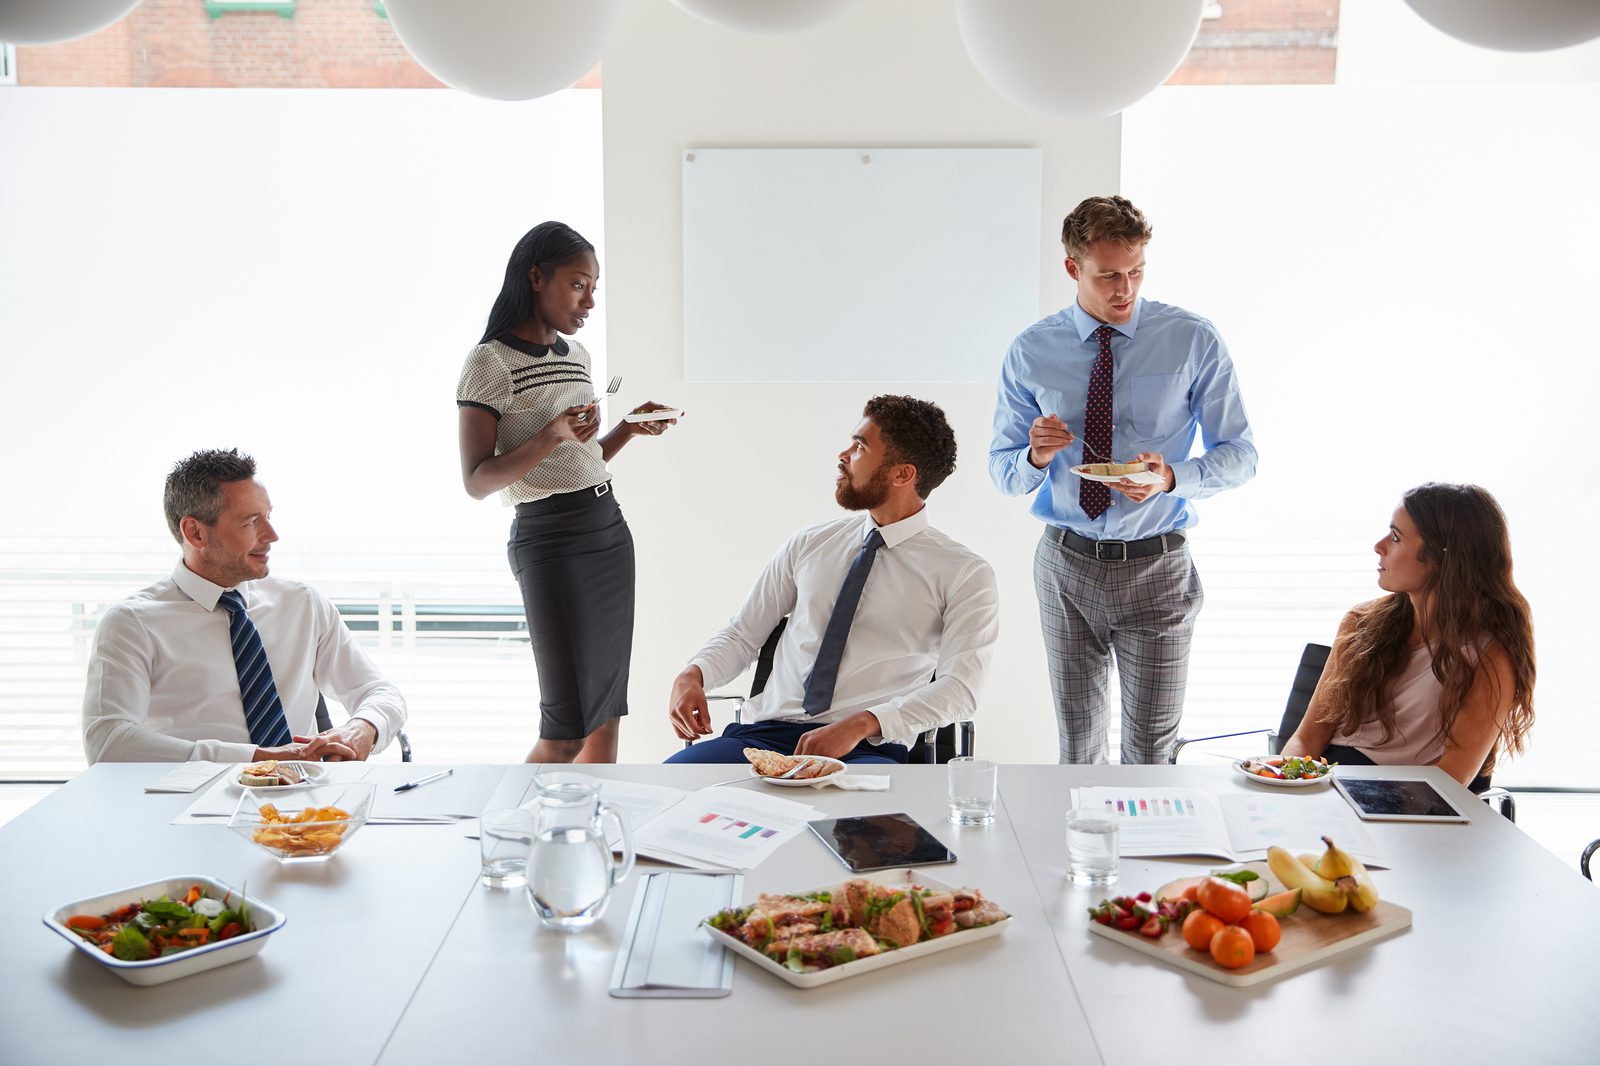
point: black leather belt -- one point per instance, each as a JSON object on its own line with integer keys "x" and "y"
{"x": 1117, "y": 551}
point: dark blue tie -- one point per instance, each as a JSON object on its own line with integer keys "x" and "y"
{"x": 263, "y": 711}
{"x": 825, "y": 672}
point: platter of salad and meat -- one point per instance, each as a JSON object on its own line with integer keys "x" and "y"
{"x": 864, "y": 924}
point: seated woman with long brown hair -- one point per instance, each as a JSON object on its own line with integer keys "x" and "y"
{"x": 1440, "y": 672}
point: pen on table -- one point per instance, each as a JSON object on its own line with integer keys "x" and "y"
{"x": 409, "y": 785}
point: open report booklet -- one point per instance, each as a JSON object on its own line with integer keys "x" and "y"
{"x": 1238, "y": 826}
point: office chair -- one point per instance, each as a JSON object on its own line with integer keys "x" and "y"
{"x": 1313, "y": 660}
{"x": 1588, "y": 853}
{"x": 935, "y": 746}
{"x": 324, "y": 722}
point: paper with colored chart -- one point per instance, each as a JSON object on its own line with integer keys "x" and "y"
{"x": 722, "y": 829}
{"x": 1237, "y": 826}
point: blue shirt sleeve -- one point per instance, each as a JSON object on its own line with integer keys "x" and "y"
{"x": 1014, "y": 412}
{"x": 1229, "y": 459}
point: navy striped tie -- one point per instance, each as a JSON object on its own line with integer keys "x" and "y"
{"x": 263, "y": 710}
{"x": 825, "y": 672}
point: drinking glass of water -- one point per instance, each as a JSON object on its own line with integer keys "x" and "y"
{"x": 1091, "y": 846}
{"x": 972, "y": 790}
{"x": 505, "y": 836}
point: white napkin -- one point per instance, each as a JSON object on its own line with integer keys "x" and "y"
{"x": 186, "y": 777}
{"x": 854, "y": 782}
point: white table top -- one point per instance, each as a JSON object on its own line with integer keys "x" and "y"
{"x": 393, "y": 953}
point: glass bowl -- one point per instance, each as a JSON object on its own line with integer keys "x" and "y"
{"x": 278, "y": 824}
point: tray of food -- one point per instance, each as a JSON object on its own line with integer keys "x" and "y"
{"x": 1280, "y": 772}
{"x": 1244, "y": 925}
{"x": 159, "y": 931}
{"x": 847, "y": 929}
{"x": 775, "y": 768}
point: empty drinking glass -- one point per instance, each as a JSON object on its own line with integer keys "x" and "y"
{"x": 504, "y": 837}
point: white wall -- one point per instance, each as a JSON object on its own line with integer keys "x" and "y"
{"x": 712, "y": 500}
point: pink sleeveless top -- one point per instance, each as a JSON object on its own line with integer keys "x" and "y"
{"x": 1415, "y": 693}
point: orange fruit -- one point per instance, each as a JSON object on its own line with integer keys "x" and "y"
{"x": 1199, "y": 928}
{"x": 1232, "y": 947}
{"x": 1263, "y": 929}
{"x": 1224, "y": 899}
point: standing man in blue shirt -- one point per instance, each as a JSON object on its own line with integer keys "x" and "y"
{"x": 1110, "y": 377}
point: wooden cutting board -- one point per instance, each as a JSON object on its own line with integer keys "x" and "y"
{"x": 1308, "y": 937}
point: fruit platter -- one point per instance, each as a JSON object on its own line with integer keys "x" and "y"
{"x": 1255, "y": 922}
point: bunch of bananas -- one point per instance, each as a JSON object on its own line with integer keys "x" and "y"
{"x": 1328, "y": 883}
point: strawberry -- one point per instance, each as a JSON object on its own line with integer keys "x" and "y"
{"x": 1144, "y": 897}
{"x": 1153, "y": 927}
{"x": 1125, "y": 919}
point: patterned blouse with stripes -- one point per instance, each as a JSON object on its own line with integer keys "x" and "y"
{"x": 525, "y": 386}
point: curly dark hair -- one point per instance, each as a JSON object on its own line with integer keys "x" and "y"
{"x": 916, "y": 432}
{"x": 195, "y": 486}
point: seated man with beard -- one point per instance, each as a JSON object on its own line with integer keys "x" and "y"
{"x": 891, "y": 622}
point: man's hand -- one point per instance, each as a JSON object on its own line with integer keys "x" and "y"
{"x": 1046, "y": 438}
{"x": 308, "y": 749}
{"x": 351, "y": 742}
{"x": 1156, "y": 465}
{"x": 687, "y": 705}
{"x": 839, "y": 739}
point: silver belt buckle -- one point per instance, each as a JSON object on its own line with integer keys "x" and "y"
{"x": 1101, "y": 556}
{"x": 602, "y": 488}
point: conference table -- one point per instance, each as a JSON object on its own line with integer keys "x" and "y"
{"x": 393, "y": 952}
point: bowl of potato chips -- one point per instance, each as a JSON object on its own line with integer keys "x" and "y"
{"x": 306, "y": 825}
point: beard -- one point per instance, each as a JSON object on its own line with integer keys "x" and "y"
{"x": 865, "y": 497}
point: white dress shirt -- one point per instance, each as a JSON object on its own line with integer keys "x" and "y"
{"x": 163, "y": 686}
{"x": 930, "y": 610}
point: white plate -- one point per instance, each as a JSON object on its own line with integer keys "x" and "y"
{"x": 315, "y": 774}
{"x": 801, "y": 782}
{"x": 1145, "y": 478}
{"x": 894, "y": 879}
{"x": 1303, "y": 782}
{"x": 268, "y": 920}
{"x": 652, "y": 416}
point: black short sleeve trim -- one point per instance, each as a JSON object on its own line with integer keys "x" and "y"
{"x": 479, "y": 406}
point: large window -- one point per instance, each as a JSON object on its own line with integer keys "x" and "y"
{"x": 1403, "y": 275}
{"x": 299, "y": 274}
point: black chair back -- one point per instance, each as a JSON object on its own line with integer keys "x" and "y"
{"x": 1312, "y": 661}
{"x": 758, "y": 683}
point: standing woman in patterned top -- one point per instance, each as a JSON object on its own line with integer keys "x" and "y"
{"x": 530, "y": 430}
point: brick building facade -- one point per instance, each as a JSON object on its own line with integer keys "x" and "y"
{"x": 349, "y": 44}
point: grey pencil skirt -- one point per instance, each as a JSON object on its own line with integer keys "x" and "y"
{"x": 572, "y": 554}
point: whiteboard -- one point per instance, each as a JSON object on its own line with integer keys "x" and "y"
{"x": 882, "y": 265}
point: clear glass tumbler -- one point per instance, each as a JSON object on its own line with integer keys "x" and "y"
{"x": 972, "y": 790}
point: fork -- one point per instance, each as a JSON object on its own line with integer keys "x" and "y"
{"x": 611, "y": 389}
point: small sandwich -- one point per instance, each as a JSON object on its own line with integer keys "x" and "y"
{"x": 821, "y": 950}
{"x": 973, "y": 910}
{"x": 774, "y": 764}
{"x": 270, "y": 774}
{"x": 1113, "y": 469}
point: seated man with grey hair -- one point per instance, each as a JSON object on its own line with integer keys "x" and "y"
{"x": 221, "y": 662}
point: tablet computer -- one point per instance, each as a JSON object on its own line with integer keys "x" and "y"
{"x": 880, "y": 842}
{"x": 1381, "y": 799}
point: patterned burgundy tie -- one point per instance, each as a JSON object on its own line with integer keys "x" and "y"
{"x": 1093, "y": 496}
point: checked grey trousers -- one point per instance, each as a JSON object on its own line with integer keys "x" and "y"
{"x": 1144, "y": 612}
